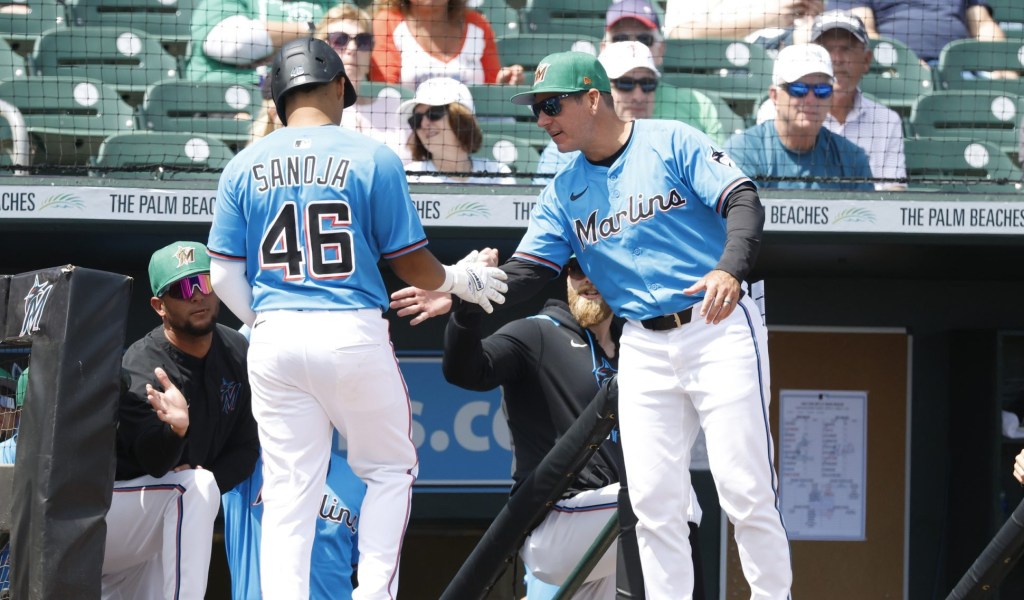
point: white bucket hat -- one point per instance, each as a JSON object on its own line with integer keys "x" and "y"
{"x": 438, "y": 91}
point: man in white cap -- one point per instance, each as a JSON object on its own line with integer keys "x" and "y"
{"x": 634, "y": 21}
{"x": 870, "y": 125}
{"x": 635, "y": 80}
{"x": 794, "y": 150}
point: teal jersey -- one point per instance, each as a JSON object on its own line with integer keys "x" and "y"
{"x": 334, "y": 545}
{"x": 759, "y": 152}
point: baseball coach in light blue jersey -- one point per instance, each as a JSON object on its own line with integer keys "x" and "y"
{"x": 667, "y": 228}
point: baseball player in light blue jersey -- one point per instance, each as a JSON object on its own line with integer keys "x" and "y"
{"x": 666, "y": 228}
{"x": 334, "y": 547}
{"x": 303, "y": 216}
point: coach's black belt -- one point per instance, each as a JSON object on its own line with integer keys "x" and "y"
{"x": 669, "y": 321}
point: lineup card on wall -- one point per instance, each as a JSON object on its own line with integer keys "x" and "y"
{"x": 823, "y": 463}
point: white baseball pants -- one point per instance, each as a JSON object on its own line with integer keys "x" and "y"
{"x": 159, "y": 537}
{"x": 311, "y": 371}
{"x": 670, "y": 384}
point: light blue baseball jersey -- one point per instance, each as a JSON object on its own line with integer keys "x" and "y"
{"x": 645, "y": 228}
{"x": 311, "y": 210}
{"x": 334, "y": 545}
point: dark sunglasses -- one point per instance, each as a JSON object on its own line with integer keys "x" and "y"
{"x": 644, "y": 38}
{"x": 626, "y": 84}
{"x": 434, "y": 113}
{"x": 799, "y": 90}
{"x": 340, "y": 40}
{"x": 553, "y": 105}
{"x": 184, "y": 289}
{"x": 573, "y": 269}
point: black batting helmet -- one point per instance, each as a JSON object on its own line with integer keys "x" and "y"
{"x": 302, "y": 62}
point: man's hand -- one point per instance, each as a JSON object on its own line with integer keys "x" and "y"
{"x": 1018, "y": 468}
{"x": 421, "y": 303}
{"x": 170, "y": 406}
{"x": 475, "y": 282}
{"x": 721, "y": 294}
{"x": 424, "y": 304}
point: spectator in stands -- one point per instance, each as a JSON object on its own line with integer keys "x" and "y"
{"x": 634, "y": 21}
{"x": 349, "y": 31}
{"x": 873, "y": 127}
{"x": 420, "y": 39}
{"x": 9, "y": 407}
{"x": 925, "y": 26}
{"x": 635, "y": 80}
{"x": 267, "y": 120}
{"x": 795, "y": 145}
{"x": 12, "y": 399}
{"x": 447, "y": 135}
{"x": 773, "y": 23}
{"x": 235, "y": 40}
{"x": 1018, "y": 468}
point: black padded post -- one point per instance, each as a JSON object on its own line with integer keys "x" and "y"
{"x": 75, "y": 320}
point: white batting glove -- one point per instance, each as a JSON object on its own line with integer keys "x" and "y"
{"x": 474, "y": 282}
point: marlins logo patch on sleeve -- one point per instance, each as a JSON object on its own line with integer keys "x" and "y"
{"x": 722, "y": 158}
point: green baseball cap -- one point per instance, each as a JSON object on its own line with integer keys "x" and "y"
{"x": 19, "y": 397}
{"x": 564, "y": 72}
{"x": 174, "y": 262}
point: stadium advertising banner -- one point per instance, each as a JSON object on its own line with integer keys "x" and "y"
{"x": 811, "y": 215}
{"x": 461, "y": 436}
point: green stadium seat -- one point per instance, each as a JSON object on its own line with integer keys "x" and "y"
{"x": 22, "y": 21}
{"x": 576, "y": 17}
{"x": 218, "y": 109}
{"x": 497, "y": 115}
{"x": 1009, "y": 14}
{"x": 161, "y": 155}
{"x": 527, "y": 49}
{"x": 964, "y": 56}
{"x": 167, "y": 20}
{"x": 737, "y": 71}
{"x": 12, "y": 64}
{"x": 376, "y": 88}
{"x": 695, "y": 107}
{"x": 982, "y": 115}
{"x": 896, "y": 77}
{"x": 68, "y": 116}
{"x": 518, "y": 154}
{"x": 127, "y": 59}
{"x": 503, "y": 18}
{"x": 960, "y": 165}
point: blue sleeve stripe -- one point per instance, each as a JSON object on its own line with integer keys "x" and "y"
{"x": 538, "y": 260}
{"x": 725, "y": 193}
{"x": 407, "y": 249}
{"x": 220, "y": 256}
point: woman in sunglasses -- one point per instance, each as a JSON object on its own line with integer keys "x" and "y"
{"x": 349, "y": 30}
{"x": 796, "y": 150}
{"x": 446, "y": 135}
{"x": 420, "y": 39}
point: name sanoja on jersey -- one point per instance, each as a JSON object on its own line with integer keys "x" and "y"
{"x": 300, "y": 170}
{"x": 638, "y": 209}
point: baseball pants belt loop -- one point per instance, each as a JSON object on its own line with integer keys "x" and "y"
{"x": 669, "y": 321}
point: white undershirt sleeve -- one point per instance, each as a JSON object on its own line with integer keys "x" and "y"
{"x": 233, "y": 289}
